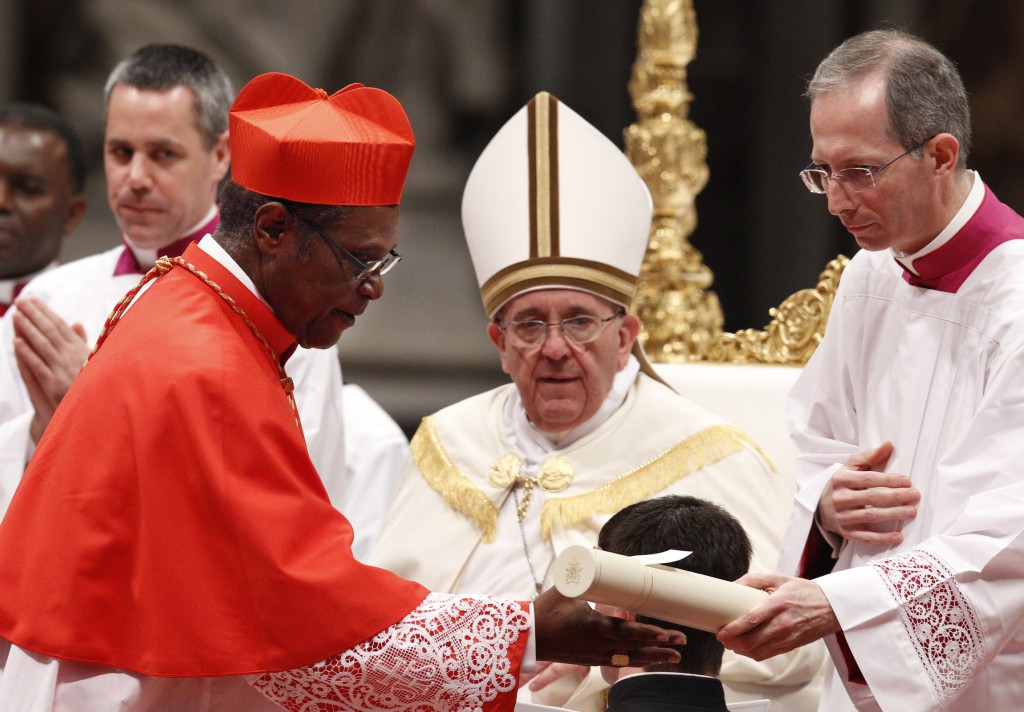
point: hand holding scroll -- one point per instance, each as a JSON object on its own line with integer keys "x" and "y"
{"x": 795, "y": 613}
{"x": 570, "y": 631}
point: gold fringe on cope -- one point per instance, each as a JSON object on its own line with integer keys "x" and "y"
{"x": 701, "y": 449}
{"x": 447, "y": 480}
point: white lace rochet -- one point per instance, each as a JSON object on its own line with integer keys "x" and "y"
{"x": 450, "y": 653}
{"x": 939, "y": 618}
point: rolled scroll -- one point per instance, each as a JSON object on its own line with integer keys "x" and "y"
{"x": 657, "y": 591}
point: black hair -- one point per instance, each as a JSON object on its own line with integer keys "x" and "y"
{"x": 720, "y": 546}
{"x": 238, "y": 206}
{"x": 41, "y": 118}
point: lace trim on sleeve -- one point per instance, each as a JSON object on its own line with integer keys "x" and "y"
{"x": 450, "y": 653}
{"x": 939, "y": 618}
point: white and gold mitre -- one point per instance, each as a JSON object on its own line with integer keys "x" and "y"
{"x": 552, "y": 203}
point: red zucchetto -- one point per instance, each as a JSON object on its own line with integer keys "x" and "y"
{"x": 291, "y": 141}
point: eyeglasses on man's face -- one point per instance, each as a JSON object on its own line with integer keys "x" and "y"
{"x": 855, "y": 179}
{"x": 580, "y": 329}
{"x": 369, "y": 269}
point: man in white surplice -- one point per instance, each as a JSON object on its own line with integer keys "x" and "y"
{"x": 909, "y": 415}
{"x": 557, "y": 221}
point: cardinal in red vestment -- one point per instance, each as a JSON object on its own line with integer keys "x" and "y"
{"x": 171, "y": 524}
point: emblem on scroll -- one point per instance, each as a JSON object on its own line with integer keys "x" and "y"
{"x": 572, "y": 571}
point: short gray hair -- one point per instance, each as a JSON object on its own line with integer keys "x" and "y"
{"x": 162, "y": 67}
{"x": 924, "y": 93}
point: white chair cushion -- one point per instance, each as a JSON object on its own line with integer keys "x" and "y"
{"x": 749, "y": 396}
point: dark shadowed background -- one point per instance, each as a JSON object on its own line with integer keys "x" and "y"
{"x": 462, "y": 67}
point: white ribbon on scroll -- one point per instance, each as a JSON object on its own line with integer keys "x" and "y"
{"x": 658, "y": 591}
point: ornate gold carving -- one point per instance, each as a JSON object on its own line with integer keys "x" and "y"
{"x": 796, "y": 328}
{"x": 682, "y": 318}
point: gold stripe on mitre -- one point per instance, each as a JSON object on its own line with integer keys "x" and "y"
{"x": 558, "y": 272}
{"x": 542, "y": 146}
{"x": 703, "y": 448}
{"x": 446, "y": 479}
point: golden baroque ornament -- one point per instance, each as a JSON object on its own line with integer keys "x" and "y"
{"x": 796, "y": 328}
{"x": 681, "y": 315}
{"x": 505, "y": 471}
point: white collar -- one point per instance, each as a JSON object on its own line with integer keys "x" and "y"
{"x": 535, "y": 443}
{"x": 663, "y": 672}
{"x": 146, "y": 257}
{"x": 213, "y": 248}
{"x": 970, "y": 206}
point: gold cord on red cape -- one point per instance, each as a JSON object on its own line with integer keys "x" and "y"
{"x": 162, "y": 267}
